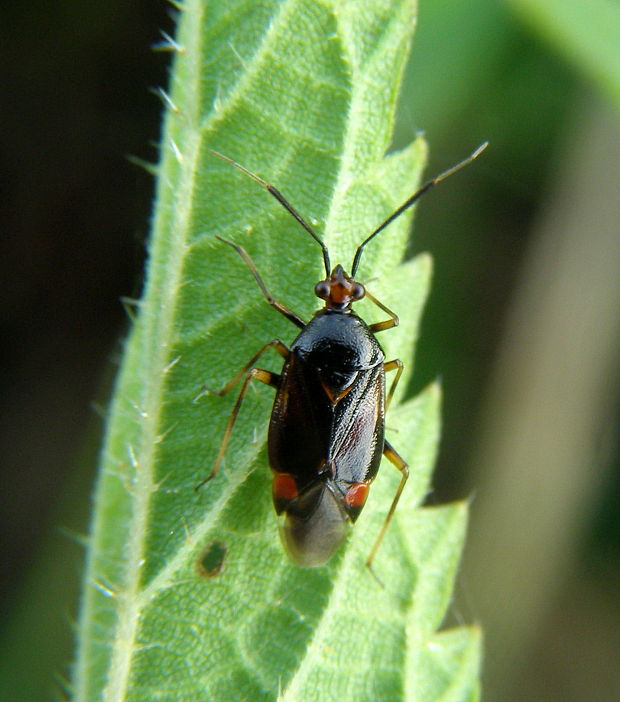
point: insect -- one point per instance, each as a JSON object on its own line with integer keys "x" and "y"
{"x": 326, "y": 433}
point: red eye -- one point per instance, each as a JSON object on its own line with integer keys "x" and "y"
{"x": 321, "y": 289}
{"x": 358, "y": 291}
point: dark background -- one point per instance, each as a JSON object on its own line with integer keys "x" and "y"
{"x": 528, "y": 362}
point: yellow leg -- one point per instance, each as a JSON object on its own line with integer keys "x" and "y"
{"x": 401, "y": 464}
{"x": 264, "y": 376}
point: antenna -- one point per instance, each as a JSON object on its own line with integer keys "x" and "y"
{"x": 408, "y": 203}
{"x": 284, "y": 202}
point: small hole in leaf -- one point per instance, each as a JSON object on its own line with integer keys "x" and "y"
{"x": 211, "y": 560}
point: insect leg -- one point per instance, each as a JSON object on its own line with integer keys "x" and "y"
{"x": 282, "y": 309}
{"x": 264, "y": 376}
{"x": 397, "y": 365}
{"x": 274, "y": 343}
{"x": 401, "y": 464}
{"x": 388, "y": 323}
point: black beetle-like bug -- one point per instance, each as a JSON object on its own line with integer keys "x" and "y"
{"x": 326, "y": 433}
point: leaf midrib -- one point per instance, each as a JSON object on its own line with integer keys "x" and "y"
{"x": 160, "y": 326}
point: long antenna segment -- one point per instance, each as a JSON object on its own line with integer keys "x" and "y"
{"x": 358, "y": 254}
{"x": 416, "y": 196}
{"x": 284, "y": 202}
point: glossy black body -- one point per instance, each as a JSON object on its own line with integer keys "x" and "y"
{"x": 327, "y": 427}
{"x": 327, "y": 419}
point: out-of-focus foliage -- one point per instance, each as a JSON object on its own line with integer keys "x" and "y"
{"x": 523, "y": 325}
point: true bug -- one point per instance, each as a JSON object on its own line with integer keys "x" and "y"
{"x": 326, "y": 433}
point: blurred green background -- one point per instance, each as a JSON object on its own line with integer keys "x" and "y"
{"x": 523, "y": 325}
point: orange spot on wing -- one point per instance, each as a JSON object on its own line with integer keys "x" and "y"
{"x": 356, "y": 495}
{"x": 284, "y": 490}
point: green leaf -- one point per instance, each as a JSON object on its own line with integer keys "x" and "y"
{"x": 446, "y": 667}
{"x": 303, "y": 93}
